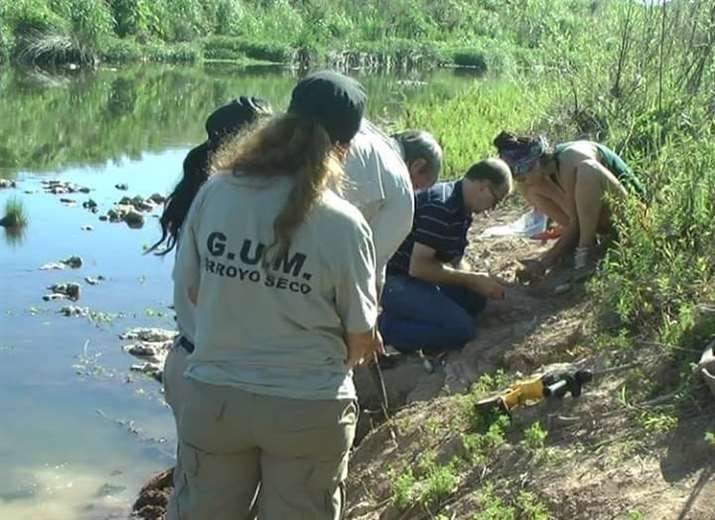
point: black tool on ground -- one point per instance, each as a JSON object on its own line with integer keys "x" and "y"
{"x": 550, "y": 385}
{"x": 558, "y": 384}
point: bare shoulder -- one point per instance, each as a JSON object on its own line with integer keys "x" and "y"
{"x": 577, "y": 152}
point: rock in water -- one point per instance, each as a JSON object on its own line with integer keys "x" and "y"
{"x": 75, "y": 262}
{"x": 142, "y": 350}
{"x": 141, "y": 205}
{"x": 54, "y": 296}
{"x": 121, "y": 187}
{"x": 70, "y": 290}
{"x": 157, "y": 198}
{"x": 55, "y": 266}
{"x": 89, "y": 204}
{"x": 134, "y": 219}
{"x": 6, "y": 183}
{"x": 150, "y": 335}
{"x": 73, "y": 310}
{"x": 87, "y": 228}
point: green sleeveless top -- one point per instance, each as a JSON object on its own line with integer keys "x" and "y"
{"x": 615, "y": 165}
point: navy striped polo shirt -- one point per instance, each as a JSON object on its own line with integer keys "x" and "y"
{"x": 441, "y": 222}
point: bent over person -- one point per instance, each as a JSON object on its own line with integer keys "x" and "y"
{"x": 282, "y": 273}
{"x": 431, "y": 297}
{"x": 568, "y": 183}
{"x": 381, "y": 173}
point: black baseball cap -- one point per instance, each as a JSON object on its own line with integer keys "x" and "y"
{"x": 231, "y": 117}
{"x": 335, "y": 101}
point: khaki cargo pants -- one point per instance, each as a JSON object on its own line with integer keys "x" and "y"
{"x": 230, "y": 441}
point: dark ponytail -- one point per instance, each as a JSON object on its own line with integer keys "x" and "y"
{"x": 196, "y": 173}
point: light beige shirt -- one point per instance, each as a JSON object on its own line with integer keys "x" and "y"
{"x": 378, "y": 183}
{"x": 280, "y": 330}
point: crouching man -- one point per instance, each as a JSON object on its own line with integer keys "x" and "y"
{"x": 431, "y": 297}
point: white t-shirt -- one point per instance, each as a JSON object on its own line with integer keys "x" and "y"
{"x": 277, "y": 331}
{"x": 378, "y": 183}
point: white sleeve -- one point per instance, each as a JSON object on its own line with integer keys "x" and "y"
{"x": 393, "y": 222}
{"x": 356, "y": 295}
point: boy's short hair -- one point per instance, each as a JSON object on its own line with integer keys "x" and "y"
{"x": 494, "y": 171}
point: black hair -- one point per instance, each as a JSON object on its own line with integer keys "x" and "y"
{"x": 196, "y": 173}
{"x": 223, "y": 123}
{"x": 506, "y": 141}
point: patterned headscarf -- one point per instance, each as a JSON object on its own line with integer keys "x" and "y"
{"x": 520, "y": 153}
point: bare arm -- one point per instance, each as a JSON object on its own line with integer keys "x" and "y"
{"x": 425, "y": 266}
{"x": 363, "y": 346}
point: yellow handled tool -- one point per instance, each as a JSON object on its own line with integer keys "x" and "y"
{"x": 555, "y": 384}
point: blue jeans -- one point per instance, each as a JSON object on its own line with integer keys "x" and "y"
{"x": 418, "y": 314}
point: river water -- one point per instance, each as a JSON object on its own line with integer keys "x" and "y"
{"x": 79, "y": 431}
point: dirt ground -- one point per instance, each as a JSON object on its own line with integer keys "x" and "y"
{"x": 598, "y": 462}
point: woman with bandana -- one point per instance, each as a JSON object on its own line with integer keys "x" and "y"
{"x": 568, "y": 183}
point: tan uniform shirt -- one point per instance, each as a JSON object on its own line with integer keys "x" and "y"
{"x": 277, "y": 331}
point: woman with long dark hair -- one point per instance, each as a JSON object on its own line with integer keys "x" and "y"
{"x": 224, "y": 123}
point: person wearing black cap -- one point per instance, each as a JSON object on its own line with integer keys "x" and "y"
{"x": 282, "y": 274}
{"x": 223, "y": 123}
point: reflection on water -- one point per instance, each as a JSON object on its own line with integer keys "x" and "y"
{"x": 79, "y": 432}
{"x": 15, "y": 235}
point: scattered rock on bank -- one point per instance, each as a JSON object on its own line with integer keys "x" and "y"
{"x": 149, "y": 334}
{"x": 6, "y": 183}
{"x": 148, "y": 351}
{"x": 151, "y": 347}
{"x": 154, "y": 497}
{"x": 73, "y": 310}
{"x": 63, "y": 290}
{"x": 61, "y": 188}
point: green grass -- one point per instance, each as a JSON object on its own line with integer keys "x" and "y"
{"x": 395, "y": 33}
{"x": 15, "y": 214}
{"x": 524, "y": 506}
{"x": 484, "y": 110}
{"x": 535, "y": 437}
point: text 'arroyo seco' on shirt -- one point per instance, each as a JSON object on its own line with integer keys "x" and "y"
{"x": 278, "y": 330}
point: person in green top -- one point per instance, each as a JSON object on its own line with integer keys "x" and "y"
{"x": 568, "y": 183}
